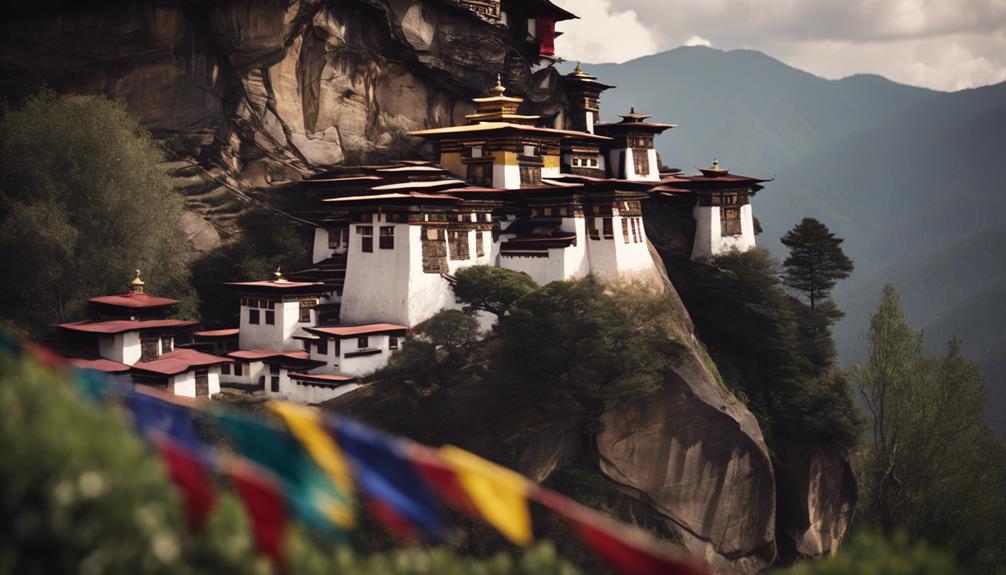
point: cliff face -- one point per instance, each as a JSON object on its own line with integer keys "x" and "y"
{"x": 256, "y": 94}
{"x": 267, "y": 90}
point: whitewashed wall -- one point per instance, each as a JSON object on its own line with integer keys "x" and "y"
{"x": 708, "y": 238}
{"x": 122, "y": 347}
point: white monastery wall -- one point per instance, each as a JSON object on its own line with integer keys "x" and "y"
{"x": 378, "y": 283}
{"x": 506, "y": 176}
{"x": 306, "y": 392}
{"x": 320, "y": 250}
{"x": 121, "y": 347}
{"x": 708, "y": 238}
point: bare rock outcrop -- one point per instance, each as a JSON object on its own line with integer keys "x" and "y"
{"x": 696, "y": 455}
{"x": 817, "y": 499}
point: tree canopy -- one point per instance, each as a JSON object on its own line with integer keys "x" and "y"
{"x": 580, "y": 345}
{"x": 490, "y": 288}
{"x": 83, "y": 202}
{"x": 815, "y": 262}
{"x": 934, "y": 467}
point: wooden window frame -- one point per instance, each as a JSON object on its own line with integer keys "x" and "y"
{"x": 480, "y": 244}
{"x": 386, "y": 241}
{"x": 366, "y": 234}
{"x": 322, "y": 346}
{"x": 363, "y": 342}
{"x": 392, "y": 342}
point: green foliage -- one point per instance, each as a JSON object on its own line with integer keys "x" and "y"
{"x": 815, "y": 262}
{"x": 760, "y": 339}
{"x": 873, "y": 554}
{"x": 575, "y": 345}
{"x": 266, "y": 242}
{"x": 83, "y": 202}
{"x": 934, "y": 467}
{"x": 490, "y": 288}
{"x": 81, "y": 493}
{"x": 452, "y": 330}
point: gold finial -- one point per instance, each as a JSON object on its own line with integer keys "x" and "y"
{"x": 278, "y": 274}
{"x": 716, "y": 164}
{"x": 632, "y": 109}
{"x": 498, "y": 89}
{"x": 137, "y": 284}
{"x": 579, "y": 69}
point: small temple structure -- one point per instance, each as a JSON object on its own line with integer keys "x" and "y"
{"x": 556, "y": 198}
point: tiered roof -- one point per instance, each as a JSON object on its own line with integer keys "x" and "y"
{"x": 180, "y": 361}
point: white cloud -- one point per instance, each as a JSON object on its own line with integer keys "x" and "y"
{"x": 940, "y": 44}
{"x": 695, "y": 40}
{"x": 602, "y": 34}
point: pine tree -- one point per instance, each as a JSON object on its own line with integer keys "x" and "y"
{"x": 816, "y": 260}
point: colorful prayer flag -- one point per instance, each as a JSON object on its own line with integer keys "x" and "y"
{"x": 384, "y": 473}
{"x": 310, "y": 494}
{"x": 305, "y": 425}
{"x": 499, "y": 494}
{"x": 168, "y": 427}
{"x": 262, "y": 495}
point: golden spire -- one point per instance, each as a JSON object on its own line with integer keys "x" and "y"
{"x": 498, "y": 89}
{"x": 137, "y": 284}
{"x": 278, "y": 275}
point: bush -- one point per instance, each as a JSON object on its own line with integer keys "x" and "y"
{"x": 872, "y": 554}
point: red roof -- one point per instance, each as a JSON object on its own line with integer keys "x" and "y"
{"x": 218, "y": 332}
{"x": 279, "y": 285}
{"x": 106, "y": 365}
{"x": 180, "y": 361}
{"x": 351, "y": 330}
{"x": 134, "y": 300}
{"x": 124, "y": 325}
{"x": 322, "y": 378}
{"x": 260, "y": 354}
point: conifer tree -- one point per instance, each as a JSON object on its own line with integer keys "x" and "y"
{"x": 815, "y": 262}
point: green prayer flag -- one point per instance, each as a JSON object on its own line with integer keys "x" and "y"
{"x": 310, "y": 494}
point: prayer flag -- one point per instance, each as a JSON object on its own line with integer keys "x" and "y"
{"x": 384, "y": 473}
{"x": 305, "y": 425}
{"x": 262, "y": 496}
{"x": 625, "y": 549}
{"x": 168, "y": 427}
{"x": 499, "y": 494}
{"x": 310, "y": 494}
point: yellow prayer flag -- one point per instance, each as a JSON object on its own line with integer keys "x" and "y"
{"x": 305, "y": 425}
{"x": 500, "y": 495}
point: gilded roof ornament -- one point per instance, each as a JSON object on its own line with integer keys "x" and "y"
{"x": 137, "y": 283}
{"x": 498, "y": 89}
{"x": 278, "y": 275}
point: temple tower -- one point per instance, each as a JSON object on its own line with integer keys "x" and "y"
{"x": 632, "y": 155}
{"x": 722, "y": 211}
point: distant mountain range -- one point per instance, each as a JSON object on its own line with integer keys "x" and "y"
{"x": 910, "y": 177}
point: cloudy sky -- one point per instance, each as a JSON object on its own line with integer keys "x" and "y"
{"x": 940, "y": 44}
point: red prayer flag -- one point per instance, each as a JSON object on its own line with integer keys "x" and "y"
{"x": 394, "y": 523}
{"x": 263, "y": 501}
{"x": 441, "y": 478}
{"x": 618, "y": 546}
{"x": 189, "y": 474}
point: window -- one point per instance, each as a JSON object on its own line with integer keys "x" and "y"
{"x": 530, "y": 175}
{"x": 335, "y": 237}
{"x": 640, "y": 162}
{"x": 387, "y": 240}
{"x": 625, "y": 229}
{"x": 270, "y": 317}
{"x": 225, "y": 369}
{"x": 606, "y": 228}
{"x": 393, "y": 342}
{"x": 238, "y": 368}
{"x": 459, "y": 245}
{"x": 148, "y": 348}
{"x": 305, "y": 314}
{"x": 480, "y": 248}
{"x": 202, "y": 382}
{"x": 366, "y": 234}
{"x": 274, "y": 384}
{"x": 530, "y": 150}
{"x": 730, "y": 221}
{"x": 323, "y": 346}
{"x": 480, "y": 174}
{"x": 362, "y": 342}
{"x": 253, "y": 316}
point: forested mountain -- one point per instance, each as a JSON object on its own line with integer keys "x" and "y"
{"x": 907, "y": 176}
